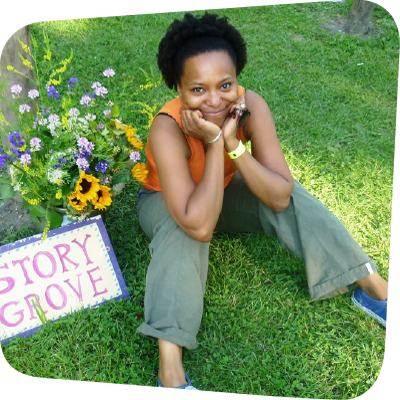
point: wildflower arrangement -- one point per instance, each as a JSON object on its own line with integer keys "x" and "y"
{"x": 69, "y": 149}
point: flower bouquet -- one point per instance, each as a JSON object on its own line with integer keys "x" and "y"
{"x": 68, "y": 149}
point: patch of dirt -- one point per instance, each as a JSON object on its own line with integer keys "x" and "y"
{"x": 337, "y": 26}
{"x": 13, "y": 216}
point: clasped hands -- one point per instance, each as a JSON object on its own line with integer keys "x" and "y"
{"x": 195, "y": 125}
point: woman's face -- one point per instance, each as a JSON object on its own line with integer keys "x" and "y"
{"x": 209, "y": 84}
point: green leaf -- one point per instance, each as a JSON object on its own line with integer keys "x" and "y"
{"x": 37, "y": 210}
{"x": 7, "y": 192}
{"x": 114, "y": 111}
{"x": 120, "y": 178}
{"x": 5, "y": 180}
{"x": 55, "y": 220}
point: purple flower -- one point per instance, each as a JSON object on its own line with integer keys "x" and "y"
{"x": 35, "y": 144}
{"x": 100, "y": 127}
{"x": 25, "y": 159}
{"x": 85, "y": 100}
{"x": 107, "y": 112}
{"x": 62, "y": 160}
{"x": 23, "y": 108}
{"x": 101, "y": 166}
{"x": 16, "y": 139}
{"x": 104, "y": 180}
{"x": 33, "y": 94}
{"x": 57, "y": 166}
{"x": 72, "y": 83}
{"x": 134, "y": 156}
{"x": 52, "y": 92}
{"x": 45, "y": 110}
{"x": 109, "y": 72}
{"x": 82, "y": 163}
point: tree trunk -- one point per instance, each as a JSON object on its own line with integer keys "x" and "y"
{"x": 10, "y": 56}
{"x": 358, "y": 20}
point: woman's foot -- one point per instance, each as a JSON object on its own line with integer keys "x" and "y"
{"x": 375, "y": 286}
{"x": 376, "y": 309}
{"x": 171, "y": 373}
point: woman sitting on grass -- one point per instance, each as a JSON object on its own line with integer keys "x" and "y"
{"x": 201, "y": 179}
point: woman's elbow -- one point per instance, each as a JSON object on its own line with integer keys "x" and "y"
{"x": 201, "y": 234}
{"x": 280, "y": 206}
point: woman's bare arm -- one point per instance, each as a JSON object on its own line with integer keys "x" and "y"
{"x": 195, "y": 208}
{"x": 265, "y": 170}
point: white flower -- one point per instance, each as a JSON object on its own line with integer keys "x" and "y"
{"x": 33, "y": 94}
{"x": 25, "y": 159}
{"x": 54, "y": 118}
{"x": 85, "y": 100}
{"x": 53, "y": 175}
{"x": 73, "y": 112}
{"x": 101, "y": 91}
{"x": 16, "y": 90}
{"x": 90, "y": 117}
{"x": 109, "y": 72}
{"x": 24, "y": 108}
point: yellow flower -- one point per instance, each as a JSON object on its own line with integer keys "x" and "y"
{"x": 76, "y": 203}
{"x": 54, "y": 82}
{"x": 26, "y": 62}
{"x": 59, "y": 181}
{"x": 86, "y": 187}
{"x": 139, "y": 172}
{"x": 120, "y": 125}
{"x": 47, "y": 57}
{"x": 59, "y": 194}
{"x": 3, "y": 119}
{"x": 12, "y": 69}
{"x": 24, "y": 46}
{"x": 64, "y": 120}
{"x": 103, "y": 199}
{"x": 130, "y": 134}
{"x": 34, "y": 202}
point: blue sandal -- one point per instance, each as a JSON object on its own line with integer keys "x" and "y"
{"x": 184, "y": 392}
{"x": 373, "y": 307}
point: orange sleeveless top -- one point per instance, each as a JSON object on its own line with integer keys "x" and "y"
{"x": 197, "y": 160}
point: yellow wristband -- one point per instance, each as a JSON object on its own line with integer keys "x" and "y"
{"x": 237, "y": 152}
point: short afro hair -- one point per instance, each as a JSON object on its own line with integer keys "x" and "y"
{"x": 193, "y": 36}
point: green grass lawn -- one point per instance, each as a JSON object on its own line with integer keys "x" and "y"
{"x": 334, "y": 100}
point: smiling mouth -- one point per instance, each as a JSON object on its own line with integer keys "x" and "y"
{"x": 214, "y": 113}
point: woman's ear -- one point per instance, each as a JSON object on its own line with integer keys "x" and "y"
{"x": 179, "y": 90}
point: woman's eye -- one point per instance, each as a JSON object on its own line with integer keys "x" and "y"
{"x": 197, "y": 90}
{"x": 226, "y": 85}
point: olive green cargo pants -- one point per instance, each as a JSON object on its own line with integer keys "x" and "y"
{"x": 177, "y": 273}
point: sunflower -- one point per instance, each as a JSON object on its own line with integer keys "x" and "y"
{"x": 130, "y": 134}
{"x": 86, "y": 187}
{"x": 139, "y": 172}
{"x": 75, "y": 202}
{"x": 103, "y": 198}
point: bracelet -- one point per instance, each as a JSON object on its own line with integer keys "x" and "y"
{"x": 239, "y": 151}
{"x": 216, "y": 137}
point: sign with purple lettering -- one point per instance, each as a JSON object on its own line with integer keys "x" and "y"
{"x": 44, "y": 280}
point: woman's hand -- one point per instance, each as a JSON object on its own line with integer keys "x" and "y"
{"x": 196, "y": 126}
{"x": 230, "y": 129}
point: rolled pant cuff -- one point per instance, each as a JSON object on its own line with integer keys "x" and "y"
{"x": 173, "y": 335}
{"x": 340, "y": 284}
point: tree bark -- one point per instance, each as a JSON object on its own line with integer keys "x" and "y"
{"x": 10, "y": 56}
{"x": 359, "y": 18}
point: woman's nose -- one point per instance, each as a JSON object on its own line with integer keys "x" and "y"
{"x": 214, "y": 100}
